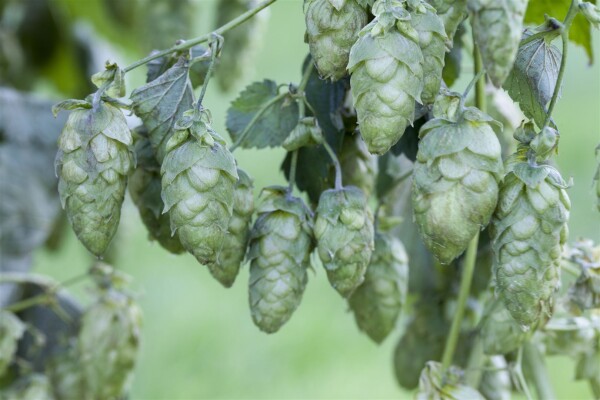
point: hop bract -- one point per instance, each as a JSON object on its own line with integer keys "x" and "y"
{"x": 234, "y": 244}
{"x": 456, "y": 175}
{"x": 344, "y": 233}
{"x": 497, "y": 28}
{"x": 528, "y": 230}
{"x": 359, "y": 167}
{"x": 198, "y": 183}
{"x": 387, "y": 76}
{"x": 332, "y": 28}
{"x": 452, "y": 13}
{"x": 280, "y": 245}
{"x": 92, "y": 166}
{"x": 377, "y": 302}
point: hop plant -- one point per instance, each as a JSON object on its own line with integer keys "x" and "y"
{"x": 11, "y": 330}
{"x": 31, "y": 387}
{"x": 241, "y": 44}
{"x": 452, "y": 13}
{"x": 108, "y": 343}
{"x": 280, "y": 245}
{"x": 198, "y": 184}
{"x": 359, "y": 167}
{"x": 377, "y": 302}
{"x": 345, "y": 237}
{"x": 529, "y": 229}
{"x": 497, "y": 28}
{"x": 456, "y": 175}
{"x": 92, "y": 166}
{"x": 145, "y": 191}
{"x": 387, "y": 76}
{"x": 437, "y": 384}
{"x": 234, "y": 245}
{"x": 500, "y": 333}
{"x": 433, "y": 41}
{"x": 332, "y": 28}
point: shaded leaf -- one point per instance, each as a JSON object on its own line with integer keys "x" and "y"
{"x": 453, "y": 58}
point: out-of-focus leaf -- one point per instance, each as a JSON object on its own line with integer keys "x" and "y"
{"x": 162, "y": 22}
{"x": 453, "y": 58}
{"x": 11, "y": 330}
{"x": 533, "y": 78}
{"x": 272, "y": 126}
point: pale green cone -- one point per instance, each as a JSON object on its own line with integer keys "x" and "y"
{"x": 345, "y": 237}
{"x": 377, "y": 302}
{"x": 92, "y": 165}
{"x": 145, "y": 190}
{"x": 359, "y": 167}
{"x": 280, "y": 245}
{"x": 387, "y": 77}
{"x": 198, "y": 184}
{"x": 452, "y": 13}
{"x": 455, "y": 178}
{"x": 498, "y": 27}
{"x": 332, "y": 28}
{"x": 437, "y": 384}
{"x": 235, "y": 242}
{"x": 11, "y": 330}
{"x": 500, "y": 333}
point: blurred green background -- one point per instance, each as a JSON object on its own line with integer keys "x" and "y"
{"x": 198, "y": 338}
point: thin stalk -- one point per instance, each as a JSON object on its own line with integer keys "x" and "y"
{"x": 293, "y": 166}
{"x": 518, "y": 371}
{"x": 305, "y": 78}
{"x": 474, "y": 370}
{"x": 41, "y": 299}
{"x": 535, "y": 366}
{"x": 211, "y": 67}
{"x": 336, "y": 164}
{"x": 204, "y": 38}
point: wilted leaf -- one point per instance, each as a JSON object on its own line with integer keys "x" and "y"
{"x": 274, "y": 123}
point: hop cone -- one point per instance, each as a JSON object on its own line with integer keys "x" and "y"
{"x": 437, "y": 384}
{"x": 92, "y": 166}
{"x": 359, "y": 167}
{"x": 11, "y": 330}
{"x": 108, "y": 343}
{"x": 234, "y": 244}
{"x": 242, "y": 43}
{"x": 500, "y": 333}
{"x": 198, "y": 183}
{"x": 377, "y": 302}
{"x": 387, "y": 77}
{"x": 529, "y": 229}
{"x": 280, "y": 246}
{"x": 432, "y": 40}
{"x": 145, "y": 189}
{"x": 452, "y": 13}
{"x": 344, "y": 233}
{"x": 495, "y": 381}
{"x": 497, "y": 28}
{"x": 332, "y": 28}
{"x": 456, "y": 175}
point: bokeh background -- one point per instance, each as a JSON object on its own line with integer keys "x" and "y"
{"x": 198, "y": 338}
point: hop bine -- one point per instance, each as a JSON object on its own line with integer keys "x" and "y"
{"x": 332, "y": 28}
{"x": 92, "y": 166}
{"x": 344, "y": 233}
{"x": 456, "y": 176}
{"x": 198, "y": 184}
{"x": 387, "y": 76}
{"x": 359, "y": 167}
{"x": 280, "y": 245}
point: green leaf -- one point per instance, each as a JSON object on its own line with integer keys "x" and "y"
{"x": 533, "y": 78}
{"x": 580, "y": 31}
{"x": 161, "y": 102}
{"x": 267, "y": 117}
{"x": 453, "y": 58}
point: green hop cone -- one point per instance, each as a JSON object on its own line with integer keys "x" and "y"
{"x": 433, "y": 42}
{"x": 359, "y": 167}
{"x": 332, "y": 28}
{"x": 198, "y": 184}
{"x": 387, "y": 76}
{"x": 242, "y": 43}
{"x": 528, "y": 231}
{"x": 11, "y": 330}
{"x": 452, "y": 13}
{"x": 585, "y": 293}
{"x": 377, "y": 302}
{"x": 92, "y": 165}
{"x": 499, "y": 332}
{"x": 495, "y": 381}
{"x": 108, "y": 342}
{"x": 497, "y": 28}
{"x": 280, "y": 245}
{"x": 437, "y": 384}
{"x": 345, "y": 237}
{"x": 234, "y": 244}
{"x": 456, "y": 175}
{"x": 145, "y": 189}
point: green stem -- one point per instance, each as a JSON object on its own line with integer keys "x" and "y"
{"x": 211, "y": 67}
{"x": 336, "y": 164}
{"x": 204, "y": 38}
{"x": 564, "y": 37}
{"x": 535, "y": 366}
{"x": 474, "y": 370}
{"x": 595, "y": 386}
{"x": 293, "y": 166}
{"x": 305, "y": 78}
{"x": 518, "y": 371}
{"x": 45, "y": 298}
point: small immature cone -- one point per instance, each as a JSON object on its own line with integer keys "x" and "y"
{"x": 386, "y": 64}
{"x": 235, "y": 242}
{"x": 345, "y": 237}
{"x": 377, "y": 302}
{"x": 497, "y": 27}
{"x": 92, "y": 165}
{"x": 280, "y": 245}
{"x": 198, "y": 183}
{"x": 332, "y": 28}
{"x": 359, "y": 167}
{"x": 456, "y": 175}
